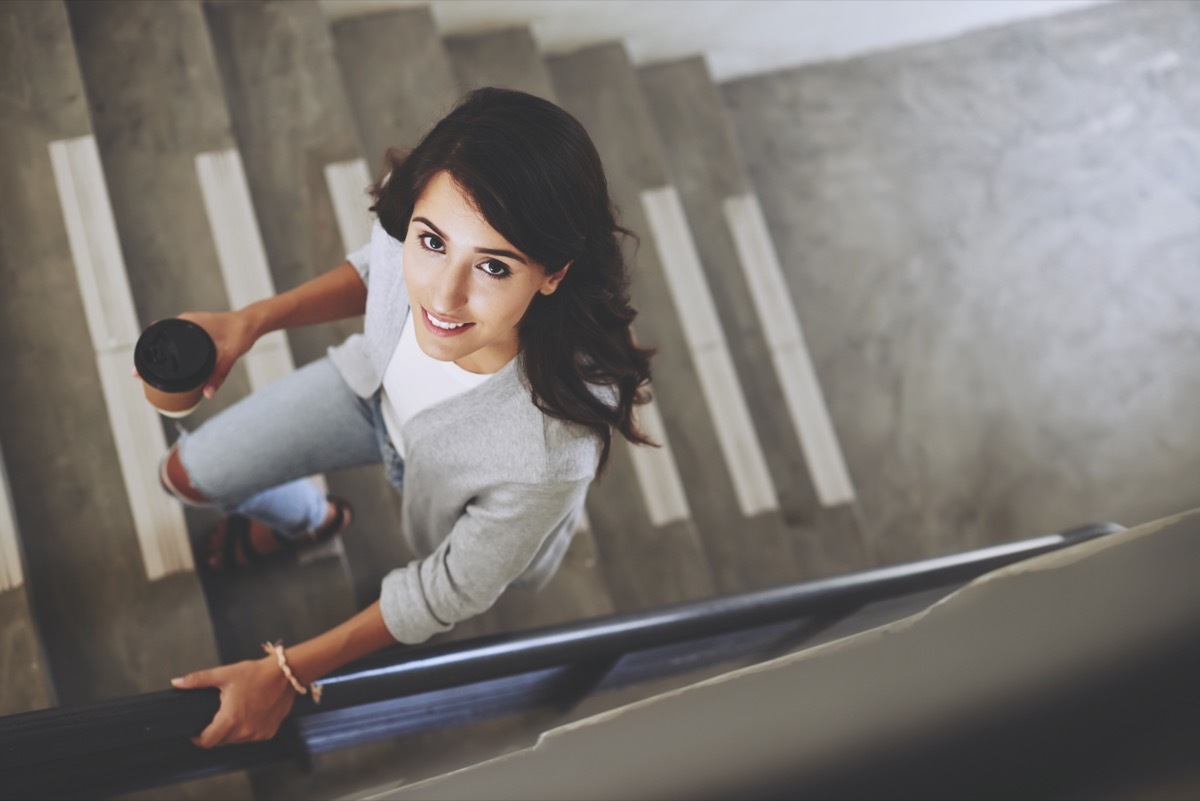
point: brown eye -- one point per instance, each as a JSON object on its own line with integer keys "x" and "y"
{"x": 495, "y": 269}
{"x": 432, "y": 243}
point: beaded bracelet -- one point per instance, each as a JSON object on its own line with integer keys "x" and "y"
{"x": 276, "y": 648}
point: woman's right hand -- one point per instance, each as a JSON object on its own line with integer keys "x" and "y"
{"x": 233, "y": 333}
{"x": 255, "y": 699}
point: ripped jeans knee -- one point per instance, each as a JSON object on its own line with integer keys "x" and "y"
{"x": 186, "y": 494}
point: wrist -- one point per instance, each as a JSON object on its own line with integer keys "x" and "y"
{"x": 277, "y": 681}
{"x": 255, "y": 321}
{"x": 277, "y": 659}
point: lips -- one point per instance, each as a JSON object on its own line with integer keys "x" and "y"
{"x": 443, "y": 328}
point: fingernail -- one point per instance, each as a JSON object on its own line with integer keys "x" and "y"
{"x": 209, "y": 392}
{"x": 177, "y": 682}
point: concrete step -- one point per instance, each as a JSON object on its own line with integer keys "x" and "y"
{"x": 508, "y": 59}
{"x": 85, "y": 569}
{"x": 808, "y": 472}
{"x": 34, "y": 108}
{"x": 397, "y": 77}
{"x": 113, "y": 620}
{"x": 28, "y": 685}
{"x": 295, "y": 132}
{"x": 730, "y": 503}
{"x": 189, "y": 238}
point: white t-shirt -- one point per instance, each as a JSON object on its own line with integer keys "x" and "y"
{"x": 415, "y": 382}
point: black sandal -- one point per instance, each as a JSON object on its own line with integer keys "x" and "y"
{"x": 238, "y": 551}
{"x": 343, "y": 515}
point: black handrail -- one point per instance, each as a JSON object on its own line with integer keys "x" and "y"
{"x": 453, "y": 664}
{"x": 142, "y": 741}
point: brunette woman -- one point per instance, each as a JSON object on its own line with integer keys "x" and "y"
{"x": 495, "y": 364}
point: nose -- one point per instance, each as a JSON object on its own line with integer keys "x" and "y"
{"x": 449, "y": 289}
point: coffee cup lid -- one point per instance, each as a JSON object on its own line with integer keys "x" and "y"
{"x": 174, "y": 355}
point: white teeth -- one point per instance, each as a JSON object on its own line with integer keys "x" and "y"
{"x": 440, "y": 324}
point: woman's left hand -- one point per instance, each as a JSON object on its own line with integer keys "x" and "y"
{"x": 255, "y": 698}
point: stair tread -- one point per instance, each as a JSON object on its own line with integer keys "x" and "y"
{"x": 600, "y": 87}
{"x": 155, "y": 109}
{"x": 394, "y": 107}
{"x": 508, "y": 59}
{"x": 704, "y": 163}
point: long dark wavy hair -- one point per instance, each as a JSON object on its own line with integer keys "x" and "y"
{"x": 535, "y": 176}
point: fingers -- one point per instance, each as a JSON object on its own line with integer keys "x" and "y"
{"x": 201, "y": 678}
{"x": 227, "y": 729}
{"x": 227, "y": 334}
{"x": 253, "y": 705}
{"x": 215, "y": 381}
{"x": 217, "y": 733}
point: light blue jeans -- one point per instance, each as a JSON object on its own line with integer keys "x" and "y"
{"x": 256, "y": 457}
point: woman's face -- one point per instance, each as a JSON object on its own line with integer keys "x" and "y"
{"x": 469, "y": 287}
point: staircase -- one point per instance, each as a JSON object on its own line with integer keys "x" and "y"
{"x": 169, "y": 156}
{"x": 181, "y": 155}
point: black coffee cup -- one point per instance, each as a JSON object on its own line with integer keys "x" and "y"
{"x": 174, "y": 359}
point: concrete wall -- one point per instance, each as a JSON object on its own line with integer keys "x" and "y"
{"x": 1008, "y": 688}
{"x": 736, "y": 37}
{"x": 994, "y": 247}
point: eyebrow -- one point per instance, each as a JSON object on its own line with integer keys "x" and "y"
{"x": 489, "y": 251}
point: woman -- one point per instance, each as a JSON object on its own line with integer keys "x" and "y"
{"x": 496, "y": 360}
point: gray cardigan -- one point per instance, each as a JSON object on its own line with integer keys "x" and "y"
{"x": 493, "y": 487}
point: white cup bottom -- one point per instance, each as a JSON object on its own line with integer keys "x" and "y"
{"x": 177, "y": 415}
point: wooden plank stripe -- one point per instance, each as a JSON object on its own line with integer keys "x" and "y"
{"x": 656, "y": 470}
{"x": 348, "y": 182}
{"x": 789, "y": 352}
{"x": 752, "y": 484}
{"x": 11, "y": 574}
{"x": 108, "y": 305}
{"x": 242, "y": 256}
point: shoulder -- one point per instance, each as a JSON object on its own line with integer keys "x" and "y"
{"x": 564, "y": 450}
{"x": 572, "y": 451}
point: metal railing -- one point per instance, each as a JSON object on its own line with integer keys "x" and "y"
{"x": 107, "y": 748}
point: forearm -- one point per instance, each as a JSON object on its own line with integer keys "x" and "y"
{"x": 362, "y": 634}
{"x": 334, "y": 295}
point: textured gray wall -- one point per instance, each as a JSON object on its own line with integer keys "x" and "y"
{"x": 994, "y": 247}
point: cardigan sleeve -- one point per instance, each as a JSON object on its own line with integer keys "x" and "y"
{"x": 491, "y": 544}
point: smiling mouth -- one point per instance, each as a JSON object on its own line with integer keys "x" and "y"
{"x": 443, "y": 328}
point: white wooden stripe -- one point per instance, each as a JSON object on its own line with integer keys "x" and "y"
{"x": 138, "y": 434}
{"x": 348, "y": 182}
{"x": 92, "y": 235}
{"x": 241, "y": 255}
{"x": 141, "y": 444}
{"x": 11, "y": 575}
{"x": 743, "y": 454}
{"x": 656, "y": 471}
{"x": 789, "y": 353}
